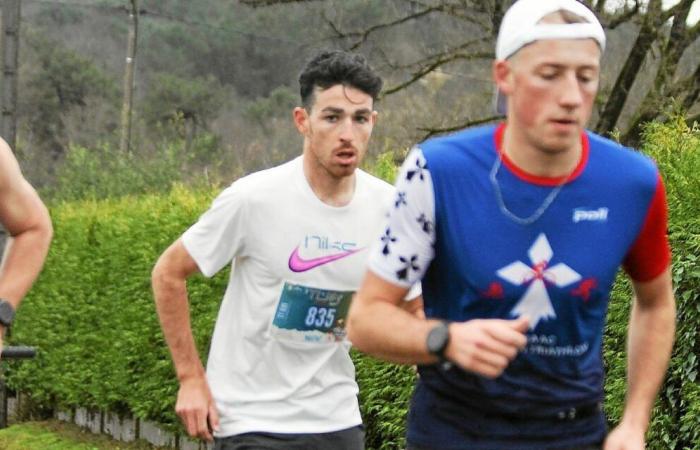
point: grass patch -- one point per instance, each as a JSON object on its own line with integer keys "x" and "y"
{"x": 55, "y": 435}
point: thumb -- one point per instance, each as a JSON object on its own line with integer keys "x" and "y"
{"x": 213, "y": 416}
{"x": 520, "y": 324}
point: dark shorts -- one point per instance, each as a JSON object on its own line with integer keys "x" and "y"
{"x": 348, "y": 439}
{"x": 587, "y": 447}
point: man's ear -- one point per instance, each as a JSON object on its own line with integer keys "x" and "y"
{"x": 374, "y": 117}
{"x": 502, "y": 73}
{"x": 301, "y": 119}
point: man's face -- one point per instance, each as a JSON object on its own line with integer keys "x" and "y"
{"x": 337, "y": 129}
{"x": 551, "y": 86}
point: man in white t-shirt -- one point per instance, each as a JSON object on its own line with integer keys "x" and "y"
{"x": 279, "y": 374}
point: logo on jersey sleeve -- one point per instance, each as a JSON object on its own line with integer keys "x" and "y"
{"x": 323, "y": 250}
{"x": 535, "y": 303}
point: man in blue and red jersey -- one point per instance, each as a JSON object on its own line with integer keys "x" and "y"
{"x": 517, "y": 231}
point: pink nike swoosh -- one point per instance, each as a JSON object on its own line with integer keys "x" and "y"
{"x": 298, "y": 264}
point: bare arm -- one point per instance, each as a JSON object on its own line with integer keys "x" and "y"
{"x": 650, "y": 340}
{"x": 195, "y": 405}
{"x": 379, "y": 326}
{"x": 414, "y": 306}
{"x": 28, "y": 224}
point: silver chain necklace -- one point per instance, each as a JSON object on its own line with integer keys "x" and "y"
{"x": 539, "y": 211}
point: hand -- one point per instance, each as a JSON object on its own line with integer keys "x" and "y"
{"x": 195, "y": 407}
{"x": 486, "y": 346}
{"x": 625, "y": 437}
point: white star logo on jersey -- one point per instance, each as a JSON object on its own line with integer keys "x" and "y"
{"x": 535, "y": 303}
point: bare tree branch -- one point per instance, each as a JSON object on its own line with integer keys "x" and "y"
{"x": 363, "y": 35}
{"x": 440, "y": 62}
{"x": 648, "y": 34}
{"x": 264, "y": 3}
{"x": 673, "y": 48}
{"x": 469, "y": 123}
{"x": 624, "y": 17}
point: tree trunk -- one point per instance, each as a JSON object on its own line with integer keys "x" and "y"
{"x": 616, "y": 101}
{"x": 653, "y": 104}
{"x": 11, "y": 13}
{"x": 125, "y": 142}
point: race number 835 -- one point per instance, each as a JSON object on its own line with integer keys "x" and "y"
{"x": 320, "y": 317}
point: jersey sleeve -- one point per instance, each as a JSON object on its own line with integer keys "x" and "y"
{"x": 218, "y": 236}
{"x": 651, "y": 254}
{"x": 403, "y": 252}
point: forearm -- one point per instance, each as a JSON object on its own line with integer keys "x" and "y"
{"x": 380, "y": 326}
{"x": 23, "y": 259}
{"x": 170, "y": 294}
{"x": 386, "y": 331}
{"x": 650, "y": 340}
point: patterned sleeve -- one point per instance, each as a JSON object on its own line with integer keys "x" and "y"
{"x": 218, "y": 235}
{"x": 405, "y": 248}
{"x": 651, "y": 254}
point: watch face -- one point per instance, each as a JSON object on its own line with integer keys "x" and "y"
{"x": 7, "y": 312}
{"x": 437, "y": 339}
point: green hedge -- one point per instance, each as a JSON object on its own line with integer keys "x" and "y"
{"x": 675, "y": 424}
{"x": 92, "y": 313}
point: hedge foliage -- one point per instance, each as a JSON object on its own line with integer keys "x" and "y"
{"x": 92, "y": 313}
{"x": 675, "y": 424}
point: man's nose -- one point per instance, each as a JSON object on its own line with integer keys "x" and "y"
{"x": 347, "y": 132}
{"x": 570, "y": 95}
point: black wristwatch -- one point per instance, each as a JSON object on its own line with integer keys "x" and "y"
{"x": 437, "y": 340}
{"x": 7, "y": 313}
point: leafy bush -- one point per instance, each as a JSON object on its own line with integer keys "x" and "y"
{"x": 104, "y": 172}
{"x": 676, "y": 149}
{"x": 91, "y": 313}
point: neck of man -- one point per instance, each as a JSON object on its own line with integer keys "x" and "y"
{"x": 540, "y": 162}
{"x": 330, "y": 189}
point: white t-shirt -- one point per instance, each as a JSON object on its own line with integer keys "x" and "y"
{"x": 279, "y": 358}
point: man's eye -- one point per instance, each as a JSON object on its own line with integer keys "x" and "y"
{"x": 586, "y": 77}
{"x": 361, "y": 119}
{"x": 331, "y": 118}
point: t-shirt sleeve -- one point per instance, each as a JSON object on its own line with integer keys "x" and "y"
{"x": 651, "y": 253}
{"x": 404, "y": 250}
{"x": 218, "y": 236}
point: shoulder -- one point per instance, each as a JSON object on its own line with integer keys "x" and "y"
{"x": 638, "y": 168}
{"x": 10, "y": 173}
{"x": 372, "y": 182}
{"x": 459, "y": 148}
{"x": 374, "y": 187}
{"x": 461, "y": 140}
{"x": 258, "y": 186}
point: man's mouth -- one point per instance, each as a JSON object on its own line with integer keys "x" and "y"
{"x": 346, "y": 156}
{"x": 565, "y": 121}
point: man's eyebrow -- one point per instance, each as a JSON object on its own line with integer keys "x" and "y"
{"x": 556, "y": 65}
{"x": 335, "y": 110}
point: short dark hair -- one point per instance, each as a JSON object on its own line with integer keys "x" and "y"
{"x": 331, "y": 67}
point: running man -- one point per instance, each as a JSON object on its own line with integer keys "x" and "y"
{"x": 517, "y": 231}
{"x": 28, "y": 225}
{"x": 279, "y": 375}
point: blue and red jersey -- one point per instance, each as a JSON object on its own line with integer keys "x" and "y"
{"x": 449, "y": 230}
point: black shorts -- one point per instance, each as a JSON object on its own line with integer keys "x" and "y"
{"x": 586, "y": 447}
{"x": 348, "y": 439}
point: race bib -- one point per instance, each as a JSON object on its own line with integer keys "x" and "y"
{"x": 306, "y": 314}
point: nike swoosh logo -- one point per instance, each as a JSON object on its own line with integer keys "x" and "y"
{"x": 299, "y": 264}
